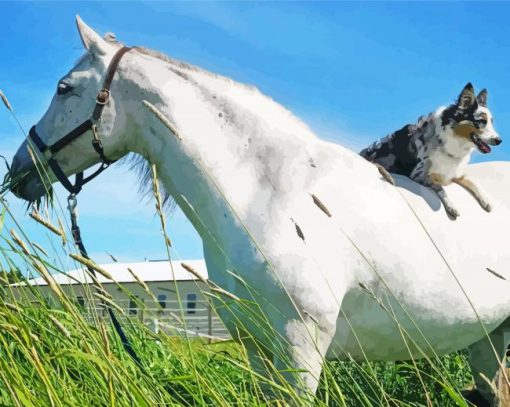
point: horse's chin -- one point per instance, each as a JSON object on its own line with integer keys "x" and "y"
{"x": 30, "y": 189}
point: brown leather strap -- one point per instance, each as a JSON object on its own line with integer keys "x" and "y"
{"x": 104, "y": 93}
{"x": 112, "y": 67}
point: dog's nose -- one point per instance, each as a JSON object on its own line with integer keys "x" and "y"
{"x": 497, "y": 141}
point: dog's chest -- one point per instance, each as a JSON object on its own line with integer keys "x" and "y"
{"x": 449, "y": 158}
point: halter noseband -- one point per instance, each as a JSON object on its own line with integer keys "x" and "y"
{"x": 90, "y": 124}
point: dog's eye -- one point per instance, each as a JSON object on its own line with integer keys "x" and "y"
{"x": 63, "y": 88}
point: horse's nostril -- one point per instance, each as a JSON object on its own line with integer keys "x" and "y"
{"x": 15, "y": 189}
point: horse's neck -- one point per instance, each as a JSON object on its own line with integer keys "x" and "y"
{"x": 238, "y": 148}
{"x": 228, "y": 128}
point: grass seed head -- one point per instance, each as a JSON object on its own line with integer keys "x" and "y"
{"x": 19, "y": 242}
{"x": 321, "y": 206}
{"x": 109, "y": 302}
{"x": 138, "y": 279}
{"x": 6, "y": 101}
{"x": 221, "y": 291}
{"x": 47, "y": 224}
{"x": 495, "y": 273}
{"x": 195, "y": 273}
{"x": 90, "y": 264}
{"x": 161, "y": 117}
{"x": 12, "y": 307}
{"x": 60, "y": 326}
{"x": 41, "y": 269}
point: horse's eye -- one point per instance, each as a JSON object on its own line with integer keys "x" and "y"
{"x": 63, "y": 88}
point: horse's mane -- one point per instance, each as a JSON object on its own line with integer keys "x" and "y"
{"x": 111, "y": 39}
{"x": 165, "y": 58}
{"x": 142, "y": 168}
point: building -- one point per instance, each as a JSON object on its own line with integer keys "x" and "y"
{"x": 144, "y": 290}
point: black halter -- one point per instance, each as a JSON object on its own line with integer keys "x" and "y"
{"x": 48, "y": 151}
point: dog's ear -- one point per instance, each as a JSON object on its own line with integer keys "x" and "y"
{"x": 482, "y": 98}
{"x": 467, "y": 97}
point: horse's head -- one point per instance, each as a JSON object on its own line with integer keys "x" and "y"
{"x": 73, "y": 104}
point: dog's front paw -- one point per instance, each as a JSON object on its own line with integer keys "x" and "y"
{"x": 486, "y": 205}
{"x": 454, "y": 213}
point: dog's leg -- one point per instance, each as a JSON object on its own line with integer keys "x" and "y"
{"x": 441, "y": 193}
{"x": 475, "y": 191}
{"x": 436, "y": 181}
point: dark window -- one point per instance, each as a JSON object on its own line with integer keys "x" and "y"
{"x": 133, "y": 307}
{"x": 191, "y": 303}
{"x": 81, "y": 301}
{"x": 162, "y": 300}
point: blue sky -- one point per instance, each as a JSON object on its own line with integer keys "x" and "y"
{"x": 354, "y": 71}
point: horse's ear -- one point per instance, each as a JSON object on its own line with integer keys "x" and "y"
{"x": 482, "y": 98}
{"x": 91, "y": 40}
{"x": 467, "y": 97}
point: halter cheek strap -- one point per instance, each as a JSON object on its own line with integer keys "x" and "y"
{"x": 48, "y": 151}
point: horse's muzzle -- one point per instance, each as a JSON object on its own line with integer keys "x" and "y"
{"x": 26, "y": 182}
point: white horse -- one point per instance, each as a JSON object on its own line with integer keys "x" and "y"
{"x": 340, "y": 262}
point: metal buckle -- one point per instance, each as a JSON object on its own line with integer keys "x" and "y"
{"x": 96, "y": 141}
{"x": 72, "y": 202}
{"x": 99, "y": 99}
{"x": 94, "y": 133}
{"x": 97, "y": 144}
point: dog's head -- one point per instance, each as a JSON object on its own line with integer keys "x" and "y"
{"x": 470, "y": 119}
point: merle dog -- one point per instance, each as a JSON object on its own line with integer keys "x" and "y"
{"x": 436, "y": 150}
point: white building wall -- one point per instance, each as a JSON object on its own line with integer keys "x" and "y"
{"x": 158, "y": 312}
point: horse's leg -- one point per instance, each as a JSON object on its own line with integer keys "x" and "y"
{"x": 293, "y": 356}
{"x": 300, "y": 356}
{"x": 261, "y": 363}
{"x": 483, "y": 361}
{"x": 234, "y": 318}
{"x": 284, "y": 345}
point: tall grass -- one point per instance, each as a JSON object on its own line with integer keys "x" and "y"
{"x": 50, "y": 355}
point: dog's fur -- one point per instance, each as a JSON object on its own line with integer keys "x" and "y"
{"x": 436, "y": 150}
